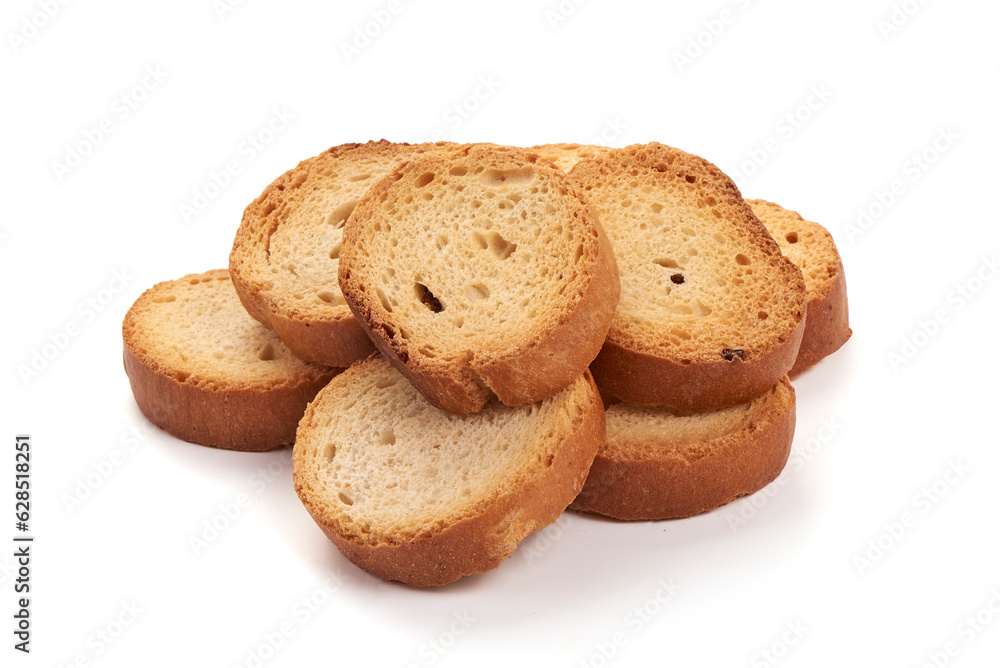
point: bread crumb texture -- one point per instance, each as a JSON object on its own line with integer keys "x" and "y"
{"x": 699, "y": 273}
{"x": 196, "y": 331}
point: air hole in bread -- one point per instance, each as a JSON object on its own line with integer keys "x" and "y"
{"x": 427, "y": 298}
{"x": 441, "y": 241}
{"x": 385, "y": 302}
{"x": 267, "y": 353}
{"x": 163, "y": 299}
{"x": 667, "y": 263}
{"x": 360, "y": 177}
{"x": 703, "y": 310}
{"x": 792, "y": 238}
{"x": 762, "y": 315}
{"x": 677, "y": 278}
{"x": 681, "y": 333}
{"x": 496, "y": 177}
{"x": 690, "y": 178}
{"x": 387, "y": 436}
{"x": 339, "y": 215}
{"x": 346, "y": 500}
{"x": 194, "y": 281}
{"x": 656, "y": 208}
{"x": 335, "y": 252}
{"x": 477, "y": 291}
{"x": 331, "y": 297}
{"x": 742, "y": 260}
{"x": 459, "y": 170}
{"x": 427, "y": 351}
{"x": 424, "y": 179}
{"x": 493, "y": 241}
{"x": 388, "y": 381}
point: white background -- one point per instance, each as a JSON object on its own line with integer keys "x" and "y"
{"x": 876, "y": 435}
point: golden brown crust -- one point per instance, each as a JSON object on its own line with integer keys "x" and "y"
{"x": 650, "y": 380}
{"x": 324, "y": 334}
{"x": 519, "y": 374}
{"x": 251, "y": 414}
{"x": 232, "y": 418}
{"x": 827, "y": 321}
{"x": 480, "y": 541}
{"x": 635, "y": 481}
{"x": 826, "y": 326}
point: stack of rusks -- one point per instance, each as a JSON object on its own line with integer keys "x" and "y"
{"x": 464, "y": 341}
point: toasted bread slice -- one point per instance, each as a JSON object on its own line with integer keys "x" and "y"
{"x": 479, "y": 270}
{"x": 810, "y": 246}
{"x": 411, "y": 493}
{"x": 205, "y": 371}
{"x": 285, "y": 256}
{"x": 711, "y": 313}
{"x": 660, "y": 464}
{"x": 565, "y": 156}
